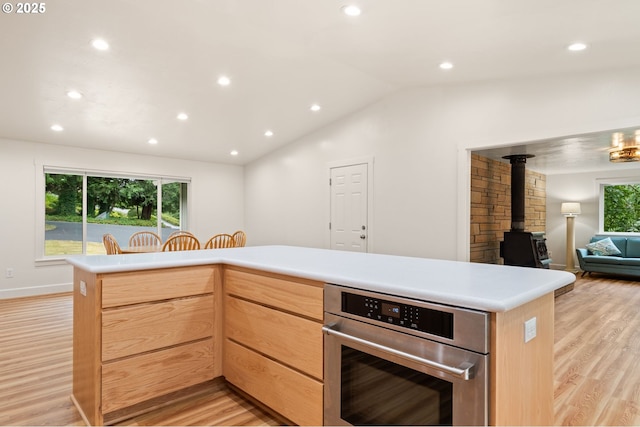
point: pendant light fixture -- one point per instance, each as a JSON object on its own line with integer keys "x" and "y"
{"x": 625, "y": 148}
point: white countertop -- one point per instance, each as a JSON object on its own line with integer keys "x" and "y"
{"x": 485, "y": 287}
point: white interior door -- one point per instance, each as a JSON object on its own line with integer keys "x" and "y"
{"x": 349, "y": 204}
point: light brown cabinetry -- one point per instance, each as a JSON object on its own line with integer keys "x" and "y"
{"x": 273, "y": 341}
{"x": 521, "y": 373}
{"x": 154, "y": 332}
{"x": 142, "y": 334}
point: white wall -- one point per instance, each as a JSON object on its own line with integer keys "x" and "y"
{"x": 420, "y": 140}
{"x": 583, "y": 188}
{"x": 287, "y": 193}
{"x": 216, "y": 204}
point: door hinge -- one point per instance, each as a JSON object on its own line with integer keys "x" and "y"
{"x": 329, "y": 226}
{"x": 329, "y": 182}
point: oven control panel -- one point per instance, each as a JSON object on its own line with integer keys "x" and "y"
{"x": 422, "y": 319}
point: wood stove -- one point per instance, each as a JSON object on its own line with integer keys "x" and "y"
{"x": 522, "y": 248}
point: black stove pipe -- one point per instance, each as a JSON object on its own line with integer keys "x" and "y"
{"x": 518, "y": 162}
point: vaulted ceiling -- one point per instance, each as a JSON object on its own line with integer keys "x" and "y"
{"x": 281, "y": 57}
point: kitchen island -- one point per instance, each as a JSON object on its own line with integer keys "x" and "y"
{"x": 137, "y": 315}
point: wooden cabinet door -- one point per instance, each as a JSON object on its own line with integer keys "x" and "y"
{"x": 140, "y": 328}
{"x": 290, "y": 393}
{"x": 292, "y": 340}
{"x": 128, "y": 381}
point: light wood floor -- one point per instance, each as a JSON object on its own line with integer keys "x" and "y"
{"x": 597, "y": 364}
{"x": 35, "y": 375}
{"x": 597, "y": 353}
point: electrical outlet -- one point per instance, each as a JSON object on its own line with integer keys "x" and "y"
{"x": 83, "y": 288}
{"x": 9, "y": 273}
{"x": 530, "y": 329}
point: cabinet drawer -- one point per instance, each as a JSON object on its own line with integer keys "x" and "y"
{"x": 299, "y": 296}
{"x": 295, "y": 341}
{"x": 288, "y": 392}
{"x": 155, "y": 285}
{"x": 129, "y": 381}
{"x": 140, "y": 328}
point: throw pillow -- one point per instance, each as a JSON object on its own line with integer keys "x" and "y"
{"x": 604, "y": 247}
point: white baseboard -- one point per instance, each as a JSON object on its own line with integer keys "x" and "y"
{"x": 35, "y": 290}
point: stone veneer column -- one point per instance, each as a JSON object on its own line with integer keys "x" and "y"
{"x": 491, "y": 206}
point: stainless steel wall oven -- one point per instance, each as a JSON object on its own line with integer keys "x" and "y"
{"x": 399, "y": 361}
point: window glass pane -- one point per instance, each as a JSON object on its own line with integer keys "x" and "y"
{"x": 63, "y": 214}
{"x": 171, "y": 207}
{"x": 622, "y": 208}
{"x": 116, "y": 204}
{"x": 121, "y": 207}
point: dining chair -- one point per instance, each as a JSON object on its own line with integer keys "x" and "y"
{"x": 220, "y": 241}
{"x": 179, "y": 232}
{"x": 181, "y": 242}
{"x": 111, "y": 244}
{"x": 239, "y": 238}
{"x": 145, "y": 238}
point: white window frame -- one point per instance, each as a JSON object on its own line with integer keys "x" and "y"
{"x": 43, "y": 169}
{"x": 602, "y": 182}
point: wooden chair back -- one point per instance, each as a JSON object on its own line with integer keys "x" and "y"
{"x": 239, "y": 238}
{"x": 220, "y": 241}
{"x": 145, "y": 238}
{"x": 179, "y": 232}
{"x": 111, "y": 244}
{"x": 181, "y": 242}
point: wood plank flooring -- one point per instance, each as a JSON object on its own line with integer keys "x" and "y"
{"x": 597, "y": 364}
{"x": 597, "y": 353}
{"x": 36, "y": 373}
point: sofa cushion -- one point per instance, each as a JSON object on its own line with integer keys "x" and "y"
{"x": 632, "y": 262}
{"x": 604, "y": 247}
{"x": 633, "y": 247}
{"x": 606, "y": 259}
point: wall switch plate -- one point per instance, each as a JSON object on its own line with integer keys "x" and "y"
{"x": 530, "y": 329}
{"x": 83, "y": 288}
{"x": 9, "y": 273}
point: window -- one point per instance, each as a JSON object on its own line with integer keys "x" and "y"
{"x": 620, "y": 207}
{"x": 81, "y": 206}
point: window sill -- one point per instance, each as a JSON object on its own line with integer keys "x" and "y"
{"x": 48, "y": 262}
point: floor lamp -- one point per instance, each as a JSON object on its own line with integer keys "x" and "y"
{"x": 570, "y": 210}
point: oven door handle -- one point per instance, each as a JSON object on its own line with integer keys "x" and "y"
{"x": 465, "y": 371}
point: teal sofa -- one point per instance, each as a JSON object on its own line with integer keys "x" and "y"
{"x": 627, "y": 262}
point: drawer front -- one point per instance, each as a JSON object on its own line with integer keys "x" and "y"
{"x": 288, "y": 392}
{"x": 155, "y": 285}
{"x": 300, "y": 296}
{"x": 140, "y": 328}
{"x": 294, "y": 341}
{"x": 129, "y": 381}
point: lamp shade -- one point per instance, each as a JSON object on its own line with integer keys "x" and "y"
{"x": 570, "y": 208}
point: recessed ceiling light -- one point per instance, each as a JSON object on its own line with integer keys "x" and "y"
{"x": 224, "y": 81}
{"x": 74, "y": 94}
{"x": 234, "y": 152}
{"x": 153, "y": 141}
{"x": 182, "y": 116}
{"x": 100, "y": 44}
{"x": 577, "y": 47}
{"x": 57, "y": 128}
{"x": 268, "y": 133}
{"x": 315, "y": 107}
{"x": 446, "y": 65}
{"x": 351, "y": 10}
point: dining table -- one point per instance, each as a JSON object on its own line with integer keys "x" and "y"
{"x": 141, "y": 249}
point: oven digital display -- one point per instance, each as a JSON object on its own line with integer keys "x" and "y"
{"x": 422, "y": 319}
{"x": 392, "y": 310}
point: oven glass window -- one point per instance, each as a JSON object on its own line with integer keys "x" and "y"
{"x": 378, "y": 392}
